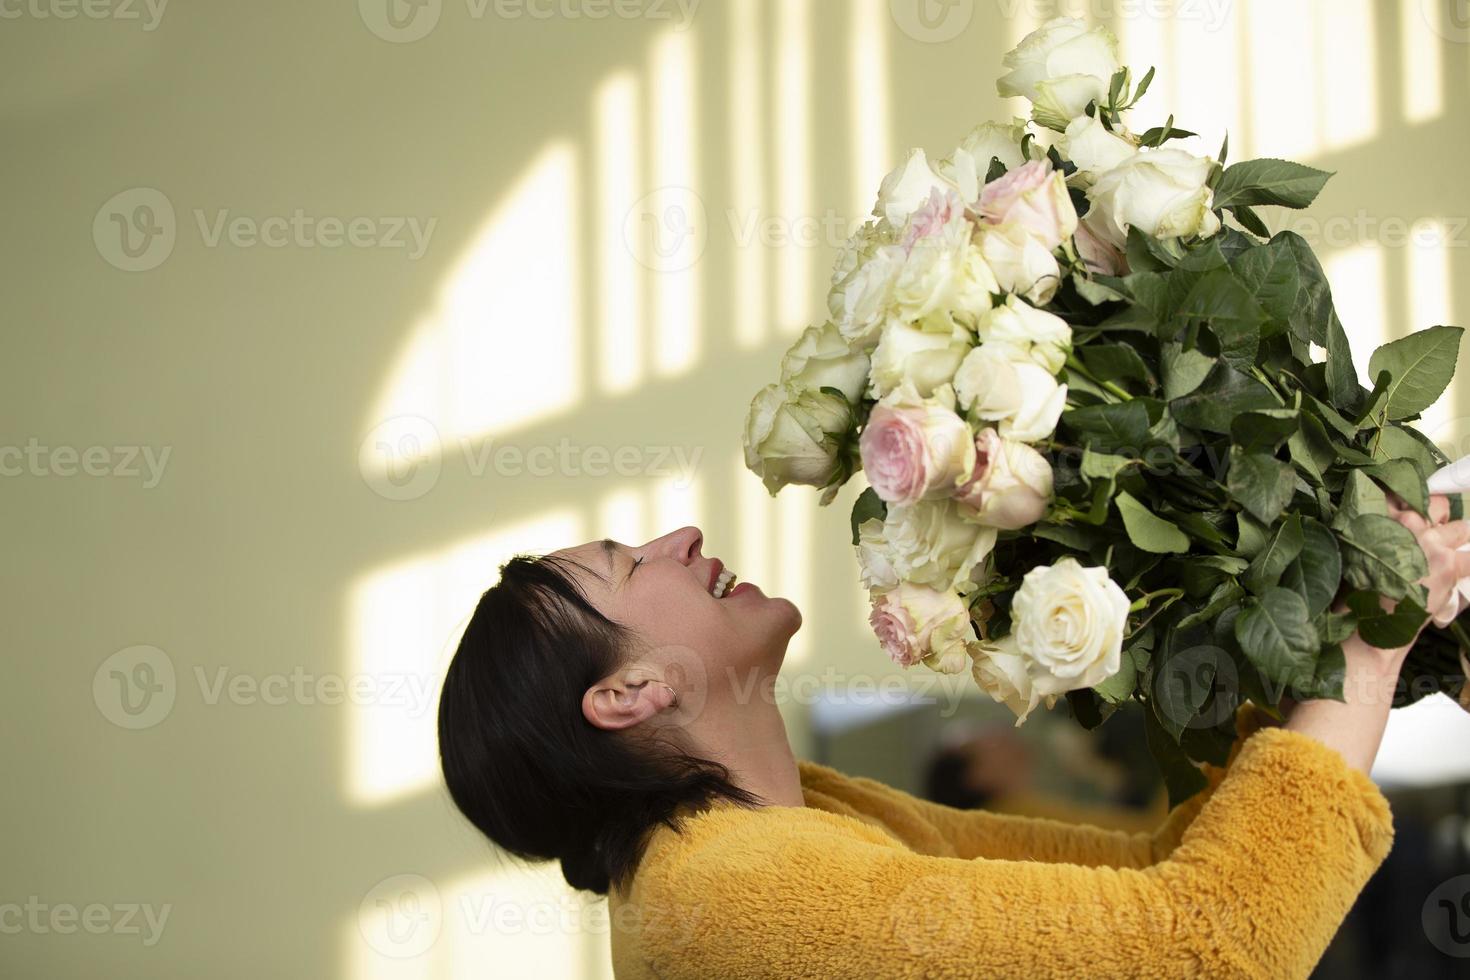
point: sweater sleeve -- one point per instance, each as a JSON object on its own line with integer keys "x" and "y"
{"x": 987, "y": 834}
{"x": 1258, "y": 884}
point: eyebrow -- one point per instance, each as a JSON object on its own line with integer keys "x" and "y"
{"x": 610, "y": 547}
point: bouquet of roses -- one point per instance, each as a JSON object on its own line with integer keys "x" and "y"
{"x": 1115, "y": 445}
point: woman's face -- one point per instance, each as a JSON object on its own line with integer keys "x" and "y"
{"x": 663, "y": 591}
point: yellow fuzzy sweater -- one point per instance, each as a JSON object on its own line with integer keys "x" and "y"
{"x": 1248, "y": 879}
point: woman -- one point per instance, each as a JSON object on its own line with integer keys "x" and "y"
{"x": 610, "y": 707}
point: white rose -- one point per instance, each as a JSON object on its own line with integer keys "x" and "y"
{"x": 1021, "y": 264}
{"x": 1061, "y": 66}
{"x": 859, "y": 247}
{"x": 998, "y": 382}
{"x": 795, "y": 435}
{"x": 1069, "y": 623}
{"x": 1011, "y": 486}
{"x": 1161, "y": 192}
{"x": 907, "y": 187}
{"x": 930, "y": 543}
{"x": 933, "y": 277}
{"x": 821, "y": 357}
{"x": 860, "y": 302}
{"x": 1094, "y": 150}
{"x": 875, "y": 556}
{"x": 927, "y": 358}
{"x": 917, "y": 624}
{"x": 968, "y": 165}
{"x": 1000, "y": 671}
{"x": 1046, "y": 337}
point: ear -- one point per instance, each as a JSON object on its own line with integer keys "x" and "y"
{"x": 620, "y": 701}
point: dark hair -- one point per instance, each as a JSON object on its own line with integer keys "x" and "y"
{"x": 522, "y": 762}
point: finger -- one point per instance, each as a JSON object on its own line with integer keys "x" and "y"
{"x": 1451, "y": 535}
{"x": 1396, "y": 505}
{"x": 1411, "y": 520}
{"x": 1462, "y": 565}
{"x": 1439, "y": 508}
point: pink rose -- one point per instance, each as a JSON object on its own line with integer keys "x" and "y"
{"x": 915, "y": 449}
{"x": 917, "y": 624}
{"x": 934, "y": 217}
{"x": 1010, "y": 487}
{"x": 1034, "y": 197}
{"x": 1100, "y": 256}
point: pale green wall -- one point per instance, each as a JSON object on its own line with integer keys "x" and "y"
{"x": 263, "y": 370}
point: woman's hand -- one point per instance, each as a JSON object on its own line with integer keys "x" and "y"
{"x": 1354, "y": 726}
{"x": 1440, "y": 539}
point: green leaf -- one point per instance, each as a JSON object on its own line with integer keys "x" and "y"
{"x": 1404, "y": 478}
{"x": 1226, "y": 393}
{"x": 1114, "y": 362}
{"x": 1270, "y": 181}
{"x": 867, "y": 505}
{"x": 1264, "y": 430}
{"x": 1184, "y": 370}
{"x": 1276, "y": 634}
{"x": 1342, "y": 377}
{"x": 1262, "y": 484}
{"x": 1101, "y": 466}
{"x": 1250, "y": 220}
{"x": 1421, "y": 364}
{"x": 1118, "y": 687}
{"x": 1148, "y": 531}
{"x": 1360, "y": 495}
{"x": 1109, "y": 427}
{"x": 1380, "y": 554}
{"x": 1283, "y": 548}
{"x": 1234, "y": 316}
{"x": 1311, "y": 449}
{"x": 1382, "y": 628}
{"x": 1317, "y": 572}
{"x": 1273, "y": 274}
{"x": 1182, "y": 778}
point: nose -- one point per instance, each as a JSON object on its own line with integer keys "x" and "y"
{"x": 682, "y": 544}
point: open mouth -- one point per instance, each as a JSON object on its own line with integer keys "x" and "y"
{"x": 723, "y": 582}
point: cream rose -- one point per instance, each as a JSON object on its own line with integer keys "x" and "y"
{"x": 1100, "y": 256}
{"x": 926, "y": 358}
{"x": 917, "y": 624}
{"x": 998, "y": 382}
{"x": 1069, "y": 624}
{"x": 1033, "y": 197}
{"x": 796, "y": 435}
{"x": 1061, "y": 66}
{"x": 916, "y": 448}
{"x": 1161, "y": 192}
{"x": 930, "y": 543}
{"x": 1011, "y": 486}
{"x": 942, "y": 273}
{"x": 861, "y": 301}
{"x": 1095, "y": 150}
{"x": 967, "y": 167}
{"x": 1000, "y": 671}
{"x": 1045, "y": 337}
{"x": 1021, "y": 264}
{"x": 907, "y": 187}
{"x": 821, "y": 357}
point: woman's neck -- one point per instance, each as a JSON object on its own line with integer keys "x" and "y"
{"x": 751, "y": 740}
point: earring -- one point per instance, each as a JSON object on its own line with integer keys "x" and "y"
{"x": 674, "y": 693}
